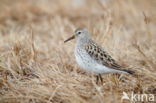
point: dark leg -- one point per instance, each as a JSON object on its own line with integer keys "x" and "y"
{"x": 97, "y": 79}
{"x": 101, "y": 78}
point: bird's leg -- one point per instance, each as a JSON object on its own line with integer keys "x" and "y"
{"x": 97, "y": 79}
{"x": 101, "y": 78}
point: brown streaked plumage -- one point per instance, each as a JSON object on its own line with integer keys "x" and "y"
{"x": 92, "y": 57}
{"x": 96, "y": 52}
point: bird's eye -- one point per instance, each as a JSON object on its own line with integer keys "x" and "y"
{"x": 79, "y": 32}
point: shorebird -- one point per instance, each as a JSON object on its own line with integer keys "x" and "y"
{"x": 92, "y": 57}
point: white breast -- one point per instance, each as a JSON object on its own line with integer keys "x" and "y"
{"x": 83, "y": 59}
{"x": 89, "y": 64}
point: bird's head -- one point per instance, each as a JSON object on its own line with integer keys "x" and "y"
{"x": 80, "y": 34}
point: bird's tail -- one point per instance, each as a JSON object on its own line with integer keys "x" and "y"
{"x": 128, "y": 71}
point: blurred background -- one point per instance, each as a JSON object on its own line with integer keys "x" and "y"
{"x": 77, "y": 12}
{"x": 37, "y": 67}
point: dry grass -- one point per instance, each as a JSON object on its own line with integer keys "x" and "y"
{"x": 37, "y": 67}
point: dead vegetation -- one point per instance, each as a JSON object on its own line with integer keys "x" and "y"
{"x": 37, "y": 67}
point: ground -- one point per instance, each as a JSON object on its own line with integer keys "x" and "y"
{"x": 37, "y": 67}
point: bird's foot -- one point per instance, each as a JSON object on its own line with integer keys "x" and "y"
{"x": 97, "y": 79}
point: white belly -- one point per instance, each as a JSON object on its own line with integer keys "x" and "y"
{"x": 89, "y": 64}
{"x": 84, "y": 61}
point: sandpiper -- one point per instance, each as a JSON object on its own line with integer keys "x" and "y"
{"x": 92, "y": 57}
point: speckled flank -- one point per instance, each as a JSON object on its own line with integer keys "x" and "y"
{"x": 92, "y": 57}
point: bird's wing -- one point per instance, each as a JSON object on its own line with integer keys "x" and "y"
{"x": 101, "y": 56}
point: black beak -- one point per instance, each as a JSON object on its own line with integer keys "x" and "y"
{"x": 69, "y": 38}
